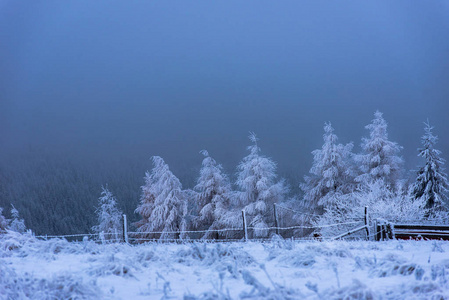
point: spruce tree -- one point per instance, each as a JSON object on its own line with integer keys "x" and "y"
{"x": 256, "y": 177}
{"x": 16, "y": 224}
{"x": 163, "y": 204}
{"x": 331, "y": 172}
{"x": 109, "y": 216}
{"x": 146, "y": 206}
{"x": 213, "y": 189}
{"x": 379, "y": 159}
{"x": 431, "y": 183}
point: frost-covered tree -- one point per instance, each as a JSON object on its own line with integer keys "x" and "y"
{"x": 256, "y": 177}
{"x": 331, "y": 172}
{"x": 16, "y": 223}
{"x": 3, "y": 223}
{"x": 213, "y": 189}
{"x": 163, "y": 204}
{"x": 146, "y": 205}
{"x": 380, "y": 158}
{"x": 431, "y": 184}
{"x": 109, "y": 216}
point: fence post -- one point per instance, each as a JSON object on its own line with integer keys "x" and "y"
{"x": 125, "y": 229}
{"x": 276, "y": 222}
{"x": 102, "y": 238}
{"x": 366, "y": 222}
{"x": 376, "y": 230}
{"x": 245, "y": 229}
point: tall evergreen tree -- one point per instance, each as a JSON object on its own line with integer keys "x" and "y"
{"x": 109, "y": 216}
{"x": 431, "y": 184}
{"x": 16, "y": 224}
{"x": 379, "y": 158}
{"x": 331, "y": 172}
{"x": 213, "y": 189}
{"x": 163, "y": 205}
{"x": 256, "y": 177}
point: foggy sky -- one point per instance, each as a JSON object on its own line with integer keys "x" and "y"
{"x": 131, "y": 79}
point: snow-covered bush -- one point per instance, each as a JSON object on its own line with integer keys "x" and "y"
{"x": 16, "y": 223}
{"x": 163, "y": 205}
{"x": 109, "y": 217}
{"x": 382, "y": 203}
{"x": 13, "y": 240}
{"x": 256, "y": 177}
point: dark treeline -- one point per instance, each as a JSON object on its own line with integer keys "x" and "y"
{"x": 58, "y": 195}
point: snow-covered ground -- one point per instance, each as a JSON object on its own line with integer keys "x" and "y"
{"x": 279, "y": 269}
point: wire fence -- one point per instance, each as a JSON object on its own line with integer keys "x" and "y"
{"x": 357, "y": 227}
{"x": 142, "y": 236}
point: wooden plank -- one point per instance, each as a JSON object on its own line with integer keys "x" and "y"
{"x": 421, "y": 232}
{"x": 421, "y": 227}
{"x": 415, "y": 236}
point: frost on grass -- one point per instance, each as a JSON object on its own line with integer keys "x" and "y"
{"x": 111, "y": 265}
{"x": 356, "y": 290}
{"x": 261, "y": 291}
{"x": 277, "y": 269}
{"x": 58, "y": 286}
{"x": 222, "y": 257}
{"x": 392, "y": 265}
{"x": 209, "y": 254}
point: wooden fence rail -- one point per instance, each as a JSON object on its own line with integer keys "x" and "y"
{"x": 417, "y": 231}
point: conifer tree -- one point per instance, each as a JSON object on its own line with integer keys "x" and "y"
{"x": 109, "y": 216}
{"x": 256, "y": 177}
{"x": 213, "y": 189}
{"x": 431, "y": 183}
{"x": 16, "y": 223}
{"x": 379, "y": 159}
{"x": 331, "y": 172}
{"x": 163, "y": 205}
{"x": 146, "y": 206}
{"x": 3, "y": 223}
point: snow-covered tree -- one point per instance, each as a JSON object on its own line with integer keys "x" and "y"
{"x": 146, "y": 205}
{"x": 213, "y": 189}
{"x": 3, "y": 223}
{"x": 331, "y": 172}
{"x": 379, "y": 159}
{"x": 163, "y": 204}
{"x": 16, "y": 223}
{"x": 256, "y": 177}
{"x": 109, "y": 216}
{"x": 431, "y": 184}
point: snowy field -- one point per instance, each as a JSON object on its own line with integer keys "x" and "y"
{"x": 279, "y": 269}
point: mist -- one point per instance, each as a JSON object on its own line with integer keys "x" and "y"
{"x": 105, "y": 85}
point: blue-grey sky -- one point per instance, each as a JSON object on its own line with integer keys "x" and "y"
{"x": 132, "y": 79}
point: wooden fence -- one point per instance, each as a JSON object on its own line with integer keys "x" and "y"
{"x": 386, "y": 230}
